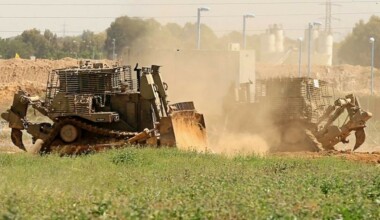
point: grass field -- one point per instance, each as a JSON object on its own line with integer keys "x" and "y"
{"x": 170, "y": 184}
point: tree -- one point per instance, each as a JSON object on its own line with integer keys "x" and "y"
{"x": 9, "y": 47}
{"x": 138, "y": 33}
{"x": 2, "y": 45}
{"x": 52, "y": 44}
{"x": 90, "y": 43}
{"x": 125, "y": 31}
{"x": 36, "y": 41}
{"x": 356, "y": 49}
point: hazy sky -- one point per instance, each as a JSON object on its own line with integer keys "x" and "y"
{"x": 73, "y": 16}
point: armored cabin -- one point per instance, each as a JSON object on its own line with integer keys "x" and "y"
{"x": 97, "y": 93}
{"x": 294, "y": 98}
{"x": 280, "y": 100}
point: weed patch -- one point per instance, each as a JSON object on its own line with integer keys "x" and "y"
{"x": 135, "y": 183}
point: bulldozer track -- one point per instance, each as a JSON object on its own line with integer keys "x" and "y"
{"x": 84, "y": 126}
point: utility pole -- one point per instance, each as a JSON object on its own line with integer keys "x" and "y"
{"x": 113, "y": 48}
{"x": 372, "y": 42}
{"x": 64, "y": 30}
{"x": 311, "y": 26}
{"x": 328, "y": 18}
{"x": 299, "y": 56}
{"x": 199, "y": 25}
{"x": 251, "y": 15}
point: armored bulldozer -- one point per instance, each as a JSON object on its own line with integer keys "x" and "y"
{"x": 94, "y": 106}
{"x": 297, "y": 114}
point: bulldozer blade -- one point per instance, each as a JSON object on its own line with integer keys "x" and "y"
{"x": 185, "y": 130}
{"x": 360, "y": 138}
{"x": 16, "y": 136}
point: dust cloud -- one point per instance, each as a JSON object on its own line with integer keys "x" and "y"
{"x": 205, "y": 77}
{"x": 240, "y": 144}
{"x": 208, "y": 78}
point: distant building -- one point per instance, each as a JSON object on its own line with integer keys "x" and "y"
{"x": 272, "y": 48}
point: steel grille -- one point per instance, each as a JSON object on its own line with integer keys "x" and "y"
{"x": 294, "y": 98}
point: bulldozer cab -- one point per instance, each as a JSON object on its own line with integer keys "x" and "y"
{"x": 303, "y": 98}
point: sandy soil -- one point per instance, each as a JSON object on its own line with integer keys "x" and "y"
{"x": 20, "y": 71}
{"x": 28, "y": 75}
{"x": 9, "y": 150}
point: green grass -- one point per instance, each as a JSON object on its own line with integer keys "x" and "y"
{"x": 170, "y": 184}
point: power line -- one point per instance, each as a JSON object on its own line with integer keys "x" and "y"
{"x": 60, "y": 31}
{"x": 328, "y": 18}
{"x": 183, "y": 16}
{"x": 285, "y": 29}
{"x": 231, "y": 30}
{"x": 180, "y": 4}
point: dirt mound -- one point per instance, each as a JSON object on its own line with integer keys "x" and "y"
{"x": 7, "y": 92}
{"x": 29, "y": 75}
{"x": 20, "y": 71}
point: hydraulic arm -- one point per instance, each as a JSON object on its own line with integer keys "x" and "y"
{"x": 329, "y": 134}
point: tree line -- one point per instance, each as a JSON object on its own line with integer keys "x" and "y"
{"x": 48, "y": 45}
{"x": 135, "y": 33}
{"x": 356, "y": 48}
{"x": 126, "y": 32}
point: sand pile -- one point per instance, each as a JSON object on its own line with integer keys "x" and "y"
{"x": 20, "y": 71}
{"x": 29, "y": 75}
